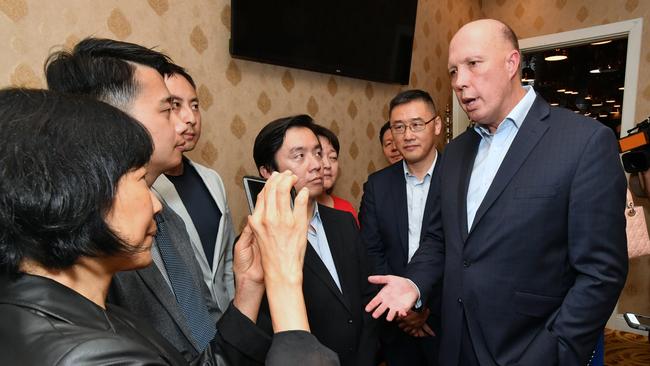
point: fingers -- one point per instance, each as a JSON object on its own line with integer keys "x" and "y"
{"x": 246, "y": 237}
{"x": 427, "y": 329}
{"x": 379, "y": 280}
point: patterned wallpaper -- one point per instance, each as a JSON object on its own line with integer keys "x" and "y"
{"x": 531, "y": 18}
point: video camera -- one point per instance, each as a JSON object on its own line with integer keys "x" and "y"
{"x": 636, "y": 148}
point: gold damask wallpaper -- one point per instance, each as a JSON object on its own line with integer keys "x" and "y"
{"x": 239, "y": 97}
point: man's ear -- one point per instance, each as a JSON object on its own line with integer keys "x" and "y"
{"x": 437, "y": 125}
{"x": 513, "y": 61}
{"x": 265, "y": 173}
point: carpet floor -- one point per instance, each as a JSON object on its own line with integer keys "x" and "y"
{"x": 626, "y": 349}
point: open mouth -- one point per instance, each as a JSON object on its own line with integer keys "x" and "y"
{"x": 469, "y": 102}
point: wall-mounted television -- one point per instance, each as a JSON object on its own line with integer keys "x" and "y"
{"x": 365, "y": 39}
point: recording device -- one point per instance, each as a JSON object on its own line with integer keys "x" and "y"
{"x": 639, "y": 322}
{"x": 636, "y": 148}
{"x": 253, "y": 186}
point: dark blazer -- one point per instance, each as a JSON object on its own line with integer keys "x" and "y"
{"x": 146, "y": 294}
{"x": 337, "y": 318}
{"x": 540, "y": 270}
{"x": 384, "y": 230}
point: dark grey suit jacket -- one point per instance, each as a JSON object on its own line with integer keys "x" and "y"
{"x": 539, "y": 272}
{"x": 146, "y": 294}
{"x": 384, "y": 231}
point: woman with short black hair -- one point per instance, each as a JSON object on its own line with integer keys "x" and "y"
{"x": 74, "y": 210}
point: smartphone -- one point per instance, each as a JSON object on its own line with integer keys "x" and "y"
{"x": 637, "y": 321}
{"x": 253, "y": 186}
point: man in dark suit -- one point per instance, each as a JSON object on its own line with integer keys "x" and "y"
{"x": 528, "y": 232}
{"x": 396, "y": 201}
{"x": 334, "y": 274}
{"x": 130, "y": 77}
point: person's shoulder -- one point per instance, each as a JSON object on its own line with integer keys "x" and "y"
{"x": 329, "y": 214}
{"x": 386, "y": 172}
{"x": 46, "y": 339}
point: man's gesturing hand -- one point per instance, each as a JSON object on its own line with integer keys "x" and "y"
{"x": 397, "y": 297}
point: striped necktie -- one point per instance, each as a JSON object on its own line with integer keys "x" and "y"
{"x": 201, "y": 324}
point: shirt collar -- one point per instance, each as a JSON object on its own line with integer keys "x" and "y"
{"x": 429, "y": 172}
{"x": 516, "y": 115}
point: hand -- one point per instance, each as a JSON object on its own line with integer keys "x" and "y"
{"x": 414, "y": 323}
{"x": 397, "y": 297}
{"x": 247, "y": 261}
{"x": 281, "y": 232}
{"x": 281, "y": 236}
{"x": 249, "y": 275}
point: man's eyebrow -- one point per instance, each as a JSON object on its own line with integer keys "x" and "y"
{"x": 167, "y": 100}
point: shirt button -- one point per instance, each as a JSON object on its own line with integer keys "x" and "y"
{"x": 460, "y": 300}
{"x": 466, "y": 263}
{"x": 349, "y": 321}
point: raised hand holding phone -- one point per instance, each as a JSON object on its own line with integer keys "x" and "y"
{"x": 281, "y": 235}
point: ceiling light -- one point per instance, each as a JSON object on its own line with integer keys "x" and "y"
{"x": 613, "y": 112}
{"x": 621, "y": 88}
{"x": 617, "y": 106}
{"x": 555, "y": 104}
{"x": 561, "y": 90}
{"x": 601, "y": 42}
{"x": 574, "y": 92}
{"x": 568, "y": 92}
{"x": 610, "y": 101}
{"x": 602, "y": 115}
{"x": 595, "y": 71}
{"x": 557, "y": 55}
{"x": 597, "y": 104}
{"x": 588, "y": 97}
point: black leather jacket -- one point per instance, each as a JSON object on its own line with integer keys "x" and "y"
{"x": 45, "y": 323}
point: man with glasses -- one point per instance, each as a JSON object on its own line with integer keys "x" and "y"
{"x": 395, "y": 202}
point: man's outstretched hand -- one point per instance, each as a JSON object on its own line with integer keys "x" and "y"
{"x": 397, "y": 297}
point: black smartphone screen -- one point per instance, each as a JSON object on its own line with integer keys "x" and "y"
{"x": 253, "y": 186}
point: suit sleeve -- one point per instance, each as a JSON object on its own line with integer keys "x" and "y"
{"x": 299, "y": 348}
{"x": 239, "y": 341}
{"x": 426, "y": 267}
{"x": 370, "y": 234}
{"x": 597, "y": 251}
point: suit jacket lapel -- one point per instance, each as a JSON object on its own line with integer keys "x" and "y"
{"x": 429, "y": 201}
{"x": 210, "y": 183}
{"x": 316, "y": 265}
{"x": 152, "y": 277}
{"x": 398, "y": 197}
{"x": 167, "y": 192}
{"x": 466, "y": 167}
{"x": 530, "y": 132}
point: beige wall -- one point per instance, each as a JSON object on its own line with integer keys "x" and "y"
{"x": 532, "y": 18}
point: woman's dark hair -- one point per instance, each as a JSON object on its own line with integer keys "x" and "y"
{"x": 329, "y": 135}
{"x": 270, "y": 139}
{"x": 61, "y": 158}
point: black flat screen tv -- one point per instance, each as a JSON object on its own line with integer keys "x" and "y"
{"x": 365, "y": 39}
